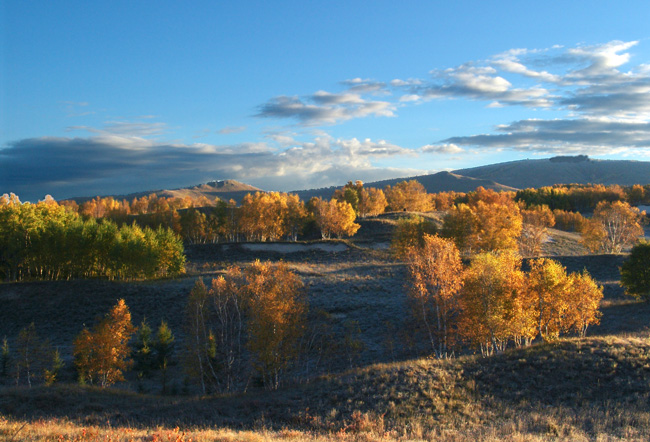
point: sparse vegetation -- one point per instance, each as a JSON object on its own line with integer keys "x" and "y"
{"x": 355, "y": 365}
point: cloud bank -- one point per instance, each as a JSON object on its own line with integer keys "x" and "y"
{"x": 66, "y": 167}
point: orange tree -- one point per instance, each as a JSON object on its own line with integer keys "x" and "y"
{"x": 548, "y": 291}
{"x": 277, "y": 308}
{"x": 484, "y": 226}
{"x": 409, "y": 196}
{"x": 410, "y": 233}
{"x": 434, "y": 278}
{"x": 101, "y": 355}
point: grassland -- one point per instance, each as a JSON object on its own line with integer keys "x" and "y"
{"x": 595, "y": 388}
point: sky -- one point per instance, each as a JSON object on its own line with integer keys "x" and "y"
{"x": 113, "y": 97}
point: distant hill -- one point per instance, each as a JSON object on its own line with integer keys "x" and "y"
{"x": 509, "y": 176}
{"x": 562, "y": 170}
{"x": 225, "y": 190}
{"x": 434, "y": 183}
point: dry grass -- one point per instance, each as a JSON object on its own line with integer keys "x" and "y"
{"x": 594, "y": 389}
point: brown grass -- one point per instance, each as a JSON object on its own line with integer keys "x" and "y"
{"x": 593, "y": 389}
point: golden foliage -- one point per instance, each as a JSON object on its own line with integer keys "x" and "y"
{"x": 408, "y": 196}
{"x": 492, "y": 312}
{"x": 335, "y": 218}
{"x": 277, "y": 307}
{"x": 101, "y": 354}
{"x": 612, "y": 227}
{"x": 434, "y": 277}
{"x": 489, "y": 221}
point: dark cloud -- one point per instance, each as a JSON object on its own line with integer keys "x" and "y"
{"x": 323, "y": 108}
{"x": 66, "y": 167}
{"x": 589, "y": 136}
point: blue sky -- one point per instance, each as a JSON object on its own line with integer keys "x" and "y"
{"x": 113, "y": 97}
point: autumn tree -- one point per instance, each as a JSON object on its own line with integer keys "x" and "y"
{"x": 101, "y": 355}
{"x": 613, "y": 227}
{"x": 410, "y": 233}
{"x": 569, "y": 221}
{"x": 534, "y": 230}
{"x": 561, "y": 302}
{"x": 334, "y": 218}
{"x": 584, "y": 302}
{"x": 277, "y": 307}
{"x": 408, "y": 196}
{"x": 493, "y": 311}
{"x": 372, "y": 202}
{"x": 548, "y": 290}
{"x": 635, "y": 271}
{"x": 484, "y": 226}
{"x": 350, "y": 193}
{"x": 434, "y": 280}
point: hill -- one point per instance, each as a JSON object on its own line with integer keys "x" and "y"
{"x": 225, "y": 190}
{"x": 575, "y": 389}
{"x": 562, "y": 170}
{"x": 433, "y": 183}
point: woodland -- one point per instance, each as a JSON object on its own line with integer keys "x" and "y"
{"x": 390, "y": 314}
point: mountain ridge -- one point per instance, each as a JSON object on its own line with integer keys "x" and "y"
{"x": 505, "y": 176}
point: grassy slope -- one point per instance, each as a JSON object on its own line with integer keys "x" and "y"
{"x": 575, "y": 389}
{"x": 578, "y": 388}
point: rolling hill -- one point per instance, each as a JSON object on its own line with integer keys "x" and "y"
{"x": 434, "y": 183}
{"x": 562, "y": 170}
{"x": 225, "y": 190}
{"x": 508, "y": 176}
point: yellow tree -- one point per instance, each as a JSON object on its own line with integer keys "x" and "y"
{"x": 534, "y": 230}
{"x": 335, "y": 218}
{"x": 484, "y": 226}
{"x": 408, "y": 196}
{"x": 295, "y": 215}
{"x": 372, "y": 202}
{"x": 584, "y": 301}
{"x": 548, "y": 290}
{"x": 101, "y": 355}
{"x": 410, "y": 233}
{"x": 350, "y": 193}
{"x": 434, "y": 278}
{"x": 492, "y": 312}
{"x": 612, "y": 227}
{"x": 277, "y": 308}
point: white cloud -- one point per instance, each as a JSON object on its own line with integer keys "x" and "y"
{"x": 446, "y": 149}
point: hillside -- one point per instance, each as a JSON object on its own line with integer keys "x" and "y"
{"x": 562, "y": 170}
{"x": 575, "y": 389}
{"x": 225, "y": 190}
{"x": 433, "y": 183}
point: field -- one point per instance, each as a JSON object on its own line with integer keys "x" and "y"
{"x": 381, "y": 388}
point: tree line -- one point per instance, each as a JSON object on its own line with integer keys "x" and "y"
{"x": 492, "y": 302}
{"x": 49, "y": 241}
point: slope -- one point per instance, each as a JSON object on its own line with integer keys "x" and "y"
{"x": 562, "y": 170}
